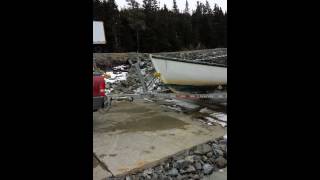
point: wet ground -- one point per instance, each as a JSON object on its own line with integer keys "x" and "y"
{"x": 139, "y": 134}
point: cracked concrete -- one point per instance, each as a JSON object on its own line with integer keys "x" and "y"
{"x": 133, "y": 136}
{"x": 99, "y": 172}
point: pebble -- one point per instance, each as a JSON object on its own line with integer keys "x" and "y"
{"x": 182, "y": 164}
{"x": 207, "y": 169}
{"x": 202, "y": 149}
{"x": 154, "y": 176}
{"x": 218, "y": 152}
{"x": 190, "y": 159}
{"x": 223, "y": 147}
{"x": 191, "y": 169}
{"x": 197, "y": 158}
{"x": 204, "y": 158}
{"x": 215, "y": 146}
{"x": 209, "y": 154}
{"x": 167, "y": 166}
{"x": 196, "y": 176}
{"x": 221, "y": 162}
{"x": 173, "y": 172}
{"x": 147, "y": 172}
{"x": 198, "y": 166}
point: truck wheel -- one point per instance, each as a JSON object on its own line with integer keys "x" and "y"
{"x": 106, "y": 105}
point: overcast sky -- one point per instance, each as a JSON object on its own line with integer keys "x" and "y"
{"x": 180, "y": 3}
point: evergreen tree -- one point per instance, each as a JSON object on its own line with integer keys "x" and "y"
{"x": 207, "y": 9}
{"x": 147, "y": 28}
{"x": 186, "y": 10}
{"x": 132, "y": 4}
{"x": 175, "y": 7}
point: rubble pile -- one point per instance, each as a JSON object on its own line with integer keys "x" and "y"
{"x": 210, "y": 118}
{"x": 131, "y": 83}
{"x": 195, "y": 163}
{"x": 123, "y": 78}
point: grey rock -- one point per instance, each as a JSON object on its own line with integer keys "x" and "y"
{"x": 214, "y": 141}
{"x": 218, "y": 152}
{"x": 135, "y": 177}
{"x": 198, "y": 166}
{"x": 174, "y": 164}
{"x": 128, "y": 178}
{"x": 182, "y": 177}
{"x": 147, "y": 172}
{"x": 204, "y": 158}
{"x": 191, "y": 152}
{"x": 181, "y": 171}
{"x": 189, "y": 158}
{"x": 191, "y": 169}
{"x": 202, "y": 149}
{"x": 182, "y": 164}
{"x": 166, "y": 178}
{"x": 201, "y": 175}
{"x": 155, "y": 176}
{"x": 173, "y": 172}
{"x": 220, "y": 138}
{"x": 209, "y": 154}
{"x": 196, "y": 176}
{"x": 180, "y": 156}
{"x": 167, "y": 166}
{"x": 215, "y": 146}
{"x": 197, "y": 158}
{"x": 221, "y": 162}
{"x": 158, "y": 169}
{"x": 207, "y": 169}
{"x": 223, "y": 147}
{"x": 162, "y": 176}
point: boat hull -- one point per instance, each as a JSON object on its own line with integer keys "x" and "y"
{"x": 186, "y": 73}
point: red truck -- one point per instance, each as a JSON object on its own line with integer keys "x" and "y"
{"x": 98, "y": 80}
{"x": 98, "y": 91}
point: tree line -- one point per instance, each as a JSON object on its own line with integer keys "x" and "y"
{"x": 148, "y": 28}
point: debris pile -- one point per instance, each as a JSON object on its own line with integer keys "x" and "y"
{"x": 124, "y": 78}
{"x": 195, "y": 163}
{"x": 120, "y": 82}
{"x": 209, "y": 117}
{"x": 177, "y": 105}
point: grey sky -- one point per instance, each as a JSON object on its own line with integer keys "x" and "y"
{"x": 180, "y": 3}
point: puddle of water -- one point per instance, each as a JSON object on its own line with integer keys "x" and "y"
{"x": 136, "y": 109}
{"x": 150, "y": 123}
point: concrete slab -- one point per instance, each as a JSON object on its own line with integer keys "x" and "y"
{"x": 136, "y": 135}
{"x": 217, "y": 175}
{"x": 98, "y": 172}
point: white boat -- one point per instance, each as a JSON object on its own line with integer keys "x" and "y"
{"x": 173, "y": 71}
